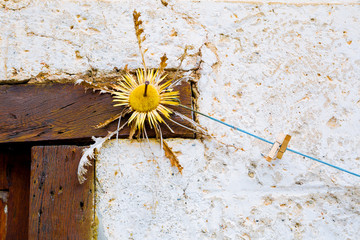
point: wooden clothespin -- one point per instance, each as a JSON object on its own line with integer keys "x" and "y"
{"x": 283, "y": 146}
{"x": 279, "y": 147}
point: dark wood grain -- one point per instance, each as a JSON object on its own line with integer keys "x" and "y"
{"x": 3, "y": 214}
{"x": 61, "y": 208}
{"x": 40, "y": 112}
{"x": 4, "y": 183}
{"x": 18, "y": 180}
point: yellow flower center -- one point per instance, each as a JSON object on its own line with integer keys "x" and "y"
{"x": 142, "y": 103}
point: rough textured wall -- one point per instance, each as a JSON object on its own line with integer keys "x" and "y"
{"x": 266, "y": 68}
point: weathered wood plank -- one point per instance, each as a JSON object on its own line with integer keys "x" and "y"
{"x": 3, "y": 214}
{"x": 4, "y": 184}
{"x": 60, "y": 207}
{"x": 18, "y": 176}
{"x": 39, "y": 112}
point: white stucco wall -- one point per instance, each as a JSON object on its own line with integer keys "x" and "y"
{"x": 292, "y": 66}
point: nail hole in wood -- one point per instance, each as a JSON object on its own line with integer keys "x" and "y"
{"x": 82, "y": 206}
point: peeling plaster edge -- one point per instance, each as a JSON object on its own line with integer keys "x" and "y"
{"x": 100, "y": 232}
{"x": 13, "y": 82}
{"x": 94, "y": 74}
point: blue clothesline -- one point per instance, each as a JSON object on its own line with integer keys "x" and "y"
{"x": 263, "y": 139}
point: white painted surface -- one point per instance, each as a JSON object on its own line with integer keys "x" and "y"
{"x": 266, "y": 68}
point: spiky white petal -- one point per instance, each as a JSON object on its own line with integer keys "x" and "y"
{"x": 89, "y": 153}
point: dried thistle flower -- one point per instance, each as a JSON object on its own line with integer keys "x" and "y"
{"x": 147, "y": 97}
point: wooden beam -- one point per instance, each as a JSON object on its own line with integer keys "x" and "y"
{"x": 41, "y": 112}
{"x": 60, "y": 207}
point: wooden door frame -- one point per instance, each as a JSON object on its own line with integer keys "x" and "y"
{"x": 59, "y": 115}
